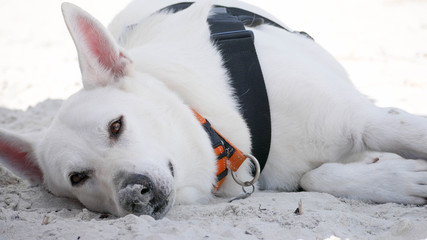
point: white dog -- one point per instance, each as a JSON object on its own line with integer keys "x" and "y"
{"x": 129, "y": 141}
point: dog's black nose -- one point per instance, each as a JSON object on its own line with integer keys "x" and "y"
{"x": 142, "y": 194}
{"x": 136, "y": 194}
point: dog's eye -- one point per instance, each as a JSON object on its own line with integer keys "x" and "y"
{"x": 78, "y": 178}
{"x": 115, "y": 127}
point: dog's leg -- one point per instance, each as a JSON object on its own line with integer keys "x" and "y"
{"x": 394, "y": 130}
{"x": 379, "y": 177}
{"x": 392, "y": 178}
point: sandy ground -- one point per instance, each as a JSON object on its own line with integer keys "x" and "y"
{"x": 382, "y": 44}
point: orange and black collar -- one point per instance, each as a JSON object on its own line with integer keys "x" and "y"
{"x": 228, "y": 156}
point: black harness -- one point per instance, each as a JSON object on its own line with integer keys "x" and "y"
{"x": 236, "y": 45}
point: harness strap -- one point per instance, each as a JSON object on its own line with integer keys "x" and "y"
{"x": 248, "y": 18}
{"x": 236, "y": 45}
{"x": 228, "y": 156}
{"x": 245, "y": 16}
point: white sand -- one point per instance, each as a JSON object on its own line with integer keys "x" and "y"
{"x": 382, "y": 43}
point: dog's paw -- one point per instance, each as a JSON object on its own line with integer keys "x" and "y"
{"x": 389, "y": 178}
{"x": 399, "y": 180}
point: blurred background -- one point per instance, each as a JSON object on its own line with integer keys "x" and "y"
{"x": 381, "y": 43}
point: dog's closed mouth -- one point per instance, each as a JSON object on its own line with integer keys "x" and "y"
{"x": 160, "y": 208}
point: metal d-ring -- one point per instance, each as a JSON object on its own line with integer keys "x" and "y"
{"x": 256, "y": 176}
{"x": 246, "y": 192}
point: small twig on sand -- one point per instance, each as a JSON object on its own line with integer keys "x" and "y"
{"x": 45, "y": 220}
{"x": 298, "y": 211}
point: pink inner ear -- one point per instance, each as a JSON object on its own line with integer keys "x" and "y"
{"x": 20, "y": 162}
{"x": 102, "y": 48}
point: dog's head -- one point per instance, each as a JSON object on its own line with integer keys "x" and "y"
{"x": 106, "y": 147}
{"x": 123, "y": 144}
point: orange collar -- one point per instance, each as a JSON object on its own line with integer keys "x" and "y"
{"x": 228, "y": 156}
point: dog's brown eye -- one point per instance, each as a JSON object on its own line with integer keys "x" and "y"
{"x": 78, "y": 178}
{"x": 115, "y": 127}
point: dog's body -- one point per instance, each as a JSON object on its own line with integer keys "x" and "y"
{"x": 131, "y": 133}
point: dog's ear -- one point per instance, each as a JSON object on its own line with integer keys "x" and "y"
{"x": 102, "y": 61}
{"x": 17, "y": 154}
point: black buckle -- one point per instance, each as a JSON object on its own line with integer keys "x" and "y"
{"x": 215, "y": 37}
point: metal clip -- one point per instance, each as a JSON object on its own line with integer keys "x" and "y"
{"x": 257, "y": 172}
{"x": 251, "y": 183}
{"x": 243, "y": 195}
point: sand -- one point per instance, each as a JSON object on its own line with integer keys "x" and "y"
{"x": 382, "y": 44}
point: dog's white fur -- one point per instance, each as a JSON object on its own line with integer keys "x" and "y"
{"x": 326, "y": 136}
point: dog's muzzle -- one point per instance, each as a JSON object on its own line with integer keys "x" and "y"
{"x": 142, "y": 195}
